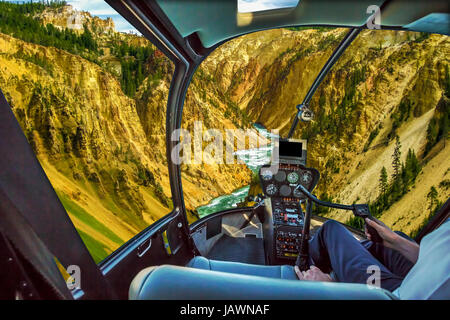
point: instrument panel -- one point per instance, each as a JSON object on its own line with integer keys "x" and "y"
{"x": 281, "y": 183}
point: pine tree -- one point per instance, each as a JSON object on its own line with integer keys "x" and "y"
{"x": 383, "y": 181}
{"x": 396, "y": 163}
{"x": 407, "y": 171}
{"x": 383, "y": 184}
{"x": 432, "y": 196}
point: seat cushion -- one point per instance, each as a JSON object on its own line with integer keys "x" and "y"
{"x": 277, "y": 272}
{"x": 181, "y": 283}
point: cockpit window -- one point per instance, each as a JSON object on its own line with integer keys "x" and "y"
{"x": 380, "y": 119}
{"x": 245, "y": 89}
{"x": 380, "y": 129}
{"x": 90, "y": 94}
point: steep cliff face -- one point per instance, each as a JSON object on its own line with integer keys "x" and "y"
{"x": 87, "y": 135}
{"x": 267, "y": 73}
{"x": 386, "y": 84}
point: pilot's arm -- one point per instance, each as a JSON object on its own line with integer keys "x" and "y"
{"x": 407, "y": 248}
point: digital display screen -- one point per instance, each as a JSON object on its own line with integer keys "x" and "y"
{"x": 291, "y": 149}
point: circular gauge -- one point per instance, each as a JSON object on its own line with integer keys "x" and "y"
{"x": 266, "y": 174}
{"x": 292, "y": 177}
{"x": 297, "y": 193}
{"x": 280, "y": 176}
{"x": 306, "y": 178}
{"x": 285, "y": 190}
{"x": 271, "y": 189}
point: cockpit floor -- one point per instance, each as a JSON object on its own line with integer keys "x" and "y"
{"x": 246, "y": 250}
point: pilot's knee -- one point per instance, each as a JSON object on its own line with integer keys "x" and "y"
{"x": 330, "y": 225}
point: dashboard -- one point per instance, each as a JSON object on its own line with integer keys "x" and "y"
{"x": 278, "y": 184}
{"x": 282, "y": 180}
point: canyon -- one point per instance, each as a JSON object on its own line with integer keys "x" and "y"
{"x": 101, "y": 139}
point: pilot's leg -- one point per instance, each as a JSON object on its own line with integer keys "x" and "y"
{"x": 335, "y": 248}
{"x": 392, "y": 259}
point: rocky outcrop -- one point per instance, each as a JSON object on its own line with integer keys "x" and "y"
{"x": 68, "y": 17}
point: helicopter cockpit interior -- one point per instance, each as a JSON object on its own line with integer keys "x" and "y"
{"x": 96, "y": 113}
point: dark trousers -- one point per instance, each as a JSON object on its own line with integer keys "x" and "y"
{"x": 334, "y": 248}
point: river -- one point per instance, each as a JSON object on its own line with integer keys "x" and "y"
{"x": 254, "y": 159}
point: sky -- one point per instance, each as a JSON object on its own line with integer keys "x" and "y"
{"x": 98, "y": 8}
{"x": 259, "y": 5}
{"x": 101, "y": 9}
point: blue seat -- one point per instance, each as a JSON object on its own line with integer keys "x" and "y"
{"x": 199, "y": 282}
{"x": 277, "y": 272}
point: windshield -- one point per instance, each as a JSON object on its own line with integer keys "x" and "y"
{"x": 244, "y": 90}
{"x": 378, "y": 136}
{"x": 90, "y": 95}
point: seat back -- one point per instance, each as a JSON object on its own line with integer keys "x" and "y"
{"x": 181, "y": 283}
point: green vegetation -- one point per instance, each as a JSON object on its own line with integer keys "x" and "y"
{"x": 434, "y": 206}
{"x": 239, "y": 118}
{"x": 422, "y": 36}
{"x": 88, "y": 219}
{"x": 438, "y": 126}
{"x": 372, "y": 136}
{"x": 396, "y": 164}
{"x": 134, "y": 71}
{"x": 319, "y": 210}
{"x": 328, "y": 41}
{"x": 383, "y": 182}
{"x": 432, "y": 197}
{"x": 444, "y": 184}
{"x": 393, "y": 191}
{"x": 17, "y": 20}
{"x": 37, "y": 60}
{"x": 31, "y": 7}
{"x": 437, "y": 129}
{"x": 96, "y": 249}
{"x": 159, "y": 193}
{"x": 404, "y": 110}
{"x": 335, "y": 123}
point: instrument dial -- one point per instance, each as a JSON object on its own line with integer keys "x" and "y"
{"x": 285, "y": 190}
{"x": 271, "y": 189}
{"x": 266, "y": 174}
{"x": 280, "y": 176}
{"x": 292, "y": 177}
{"x": 297, "y": 193}
{"x": 306, "y": 178}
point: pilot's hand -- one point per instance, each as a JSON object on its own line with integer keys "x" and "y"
{"x": 312, "y": 274}
{"x": 390, "y": 238}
